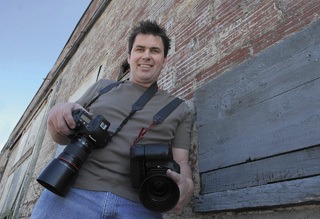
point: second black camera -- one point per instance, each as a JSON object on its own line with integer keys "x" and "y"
{"x": 149, "y": 165}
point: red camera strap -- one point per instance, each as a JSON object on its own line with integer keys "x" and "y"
{"x": 142, "y": 132}
{"x": 159, "y": 117}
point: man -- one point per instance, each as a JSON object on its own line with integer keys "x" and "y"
{"x": 103, "y": 187}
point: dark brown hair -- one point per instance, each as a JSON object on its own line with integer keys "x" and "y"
{"x": 149, "y": 27}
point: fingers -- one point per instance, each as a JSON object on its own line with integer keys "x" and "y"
{"x": 179, "y": 180}
{"x": 60, "y": 120}
{"x": 174, "y": 175}
{"x": 186, "y": 190}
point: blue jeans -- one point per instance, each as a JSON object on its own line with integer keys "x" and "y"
{"x": 89, "y": 204}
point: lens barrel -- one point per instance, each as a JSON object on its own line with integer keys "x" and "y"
{"x": 61, "y": 172}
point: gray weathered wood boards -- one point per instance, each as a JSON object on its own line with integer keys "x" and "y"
{"x": 289, "y": 192}
{"x": 259, "y": 128}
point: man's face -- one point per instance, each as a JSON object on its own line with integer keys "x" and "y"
{"x": 146, "y": 59}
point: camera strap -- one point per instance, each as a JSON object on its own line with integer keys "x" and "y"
{"x": 138, "y": 105}
{"x": 103, "y": 91}
{"x": 159, "y": 117}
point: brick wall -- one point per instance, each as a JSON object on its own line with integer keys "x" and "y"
{"x": 209, "y": 37}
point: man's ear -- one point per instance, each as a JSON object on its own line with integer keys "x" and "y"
{"x": 129, "y": 58}
{"x": 165, "y": 61}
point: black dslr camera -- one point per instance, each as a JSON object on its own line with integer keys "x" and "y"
{"x": 149, "y": 164}
{"x": 89, "y": 134}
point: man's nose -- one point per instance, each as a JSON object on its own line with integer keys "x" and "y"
{"x": 146, "y": 54}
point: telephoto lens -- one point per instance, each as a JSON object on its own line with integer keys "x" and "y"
{"x": 61, "y": 172}
{"x": 89, "y": 134}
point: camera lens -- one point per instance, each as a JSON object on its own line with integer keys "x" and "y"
{"x": 60, "y": 174}
{"x": 89, "y": 134}
{"x": 159, "y": 193}
{"x": 76, "y": 153}
{"x": 158, "y": 189}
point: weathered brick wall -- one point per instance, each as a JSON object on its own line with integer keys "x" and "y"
{"x": 208, "y": 38}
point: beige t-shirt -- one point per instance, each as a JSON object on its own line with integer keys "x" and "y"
{"x": 108, "y": 168}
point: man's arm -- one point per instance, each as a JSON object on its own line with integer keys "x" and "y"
{"x": 183, "y": 180}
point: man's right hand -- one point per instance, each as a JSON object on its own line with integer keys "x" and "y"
{"x": 60, "y": 121}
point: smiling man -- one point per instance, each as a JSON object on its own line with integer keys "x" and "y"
{"x": 146, "y": 59}
{"x": 103, "y": 188}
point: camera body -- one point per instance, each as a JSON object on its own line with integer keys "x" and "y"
{"x": 90, "y": 133}
{"x": 149, "y": 164}
{"x": 94, "y": 129}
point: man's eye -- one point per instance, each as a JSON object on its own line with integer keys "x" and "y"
{"x": 139, "y": 49}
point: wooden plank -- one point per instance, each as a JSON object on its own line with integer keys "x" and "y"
{"x": 299, "y": 164}
{"x": 252, "y": 90}
{"x": 288, "y": 64}
{"x": 243, "y": 88}
{"x": 299, "y": 191}
{"x": 240, "y": 113}
{"x": 284, "y": 123}
{"x": 265, "y": 111}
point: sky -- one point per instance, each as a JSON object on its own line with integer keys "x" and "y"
{"x": 33, "y": 34}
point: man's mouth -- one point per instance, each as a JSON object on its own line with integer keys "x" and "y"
{"x": 145, "y": 66}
